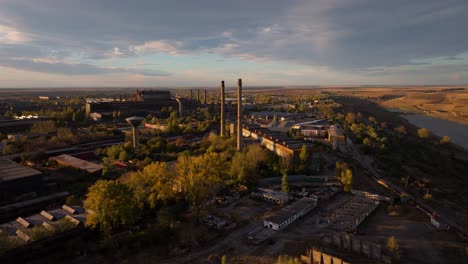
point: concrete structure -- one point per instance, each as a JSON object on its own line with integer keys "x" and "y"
{"x": 355, "y": 245}
{"x": 239, "y": 115}
{"x": 275, "y": 141}
{"x": 143, "y": 102}
{"x": 222, "y": 109}
{"x": 17, "y": 179}
{"x": 290, "y": 213}
{"x": 352, "y": 213}
{"x": 134, "y": 121}
{"x": 49, "y": 219}
{"x": 271, "y": 196}
{"x": 336, "y": 135}
{"x": 67, "y": 160}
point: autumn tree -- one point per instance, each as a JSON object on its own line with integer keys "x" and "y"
{"x": 197, "y": 179}
{"x": 350, "y": 118}
{"x": 153, "y": 183}
{"x": 400, "y": 130}
{"x": 424, "y": 133}
{"x": 285, "y": 259}
{"x": 111, "y": 204}
{"x": 304, "y": 155}
{"x": 284, "y": 182}
{"x": 346, "y": 179}
{"x": 445, "y": 140}
{"x": 43, "y": 127}
{"x": 393, "y": 247}
{"x": 345, "y": 174}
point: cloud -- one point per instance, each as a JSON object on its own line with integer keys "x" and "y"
{"x": 52, "y": 67}
{"x": 343, "y": 36}
{"x": 158, "y": 46}
{"x": 453, "y": 58}
{"x": 10, "y": 35}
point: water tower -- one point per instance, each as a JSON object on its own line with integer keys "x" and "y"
{"x": 134, "y": 121}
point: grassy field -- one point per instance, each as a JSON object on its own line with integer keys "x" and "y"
{"x": 449, "y": 103}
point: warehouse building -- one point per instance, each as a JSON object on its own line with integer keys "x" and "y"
{"x": 274, "y": 141}
{"x": 70, "y": 161}
{"x": 271, "y": 196}
{"x": 17, "y": 179}
{"x": 288, "y": 214}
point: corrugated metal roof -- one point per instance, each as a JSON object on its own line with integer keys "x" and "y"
{"x": 10, "y": 170}
{"x": 71, "y": 161}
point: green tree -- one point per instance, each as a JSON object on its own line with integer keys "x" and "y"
{"x": 111, "y": 204}
{"x": 424, "y": 133}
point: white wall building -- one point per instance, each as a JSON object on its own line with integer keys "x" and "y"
{"x": 288, "y": 214}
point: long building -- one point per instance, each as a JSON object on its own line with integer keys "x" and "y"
{"x": 290, "y": 213}
{"x": 143, "y": 102}
{"x": 17, "y": 179}
{"x": 274, "y": 141}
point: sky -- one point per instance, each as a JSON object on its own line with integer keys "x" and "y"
{"x": 104, "y": 43}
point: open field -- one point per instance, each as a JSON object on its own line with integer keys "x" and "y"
{"x": 446, "y": 102}
{"x": 443, "y": 102}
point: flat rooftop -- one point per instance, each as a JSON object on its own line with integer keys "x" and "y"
{"x": 288, "y": 211}
{"x": 10, "y": 170}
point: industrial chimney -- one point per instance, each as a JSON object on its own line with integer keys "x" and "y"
{"x": 222, "y": 109}
{"x": 204, "y": 97}
{"x": 134, "y": 121}
{"x": 191, "y": 94}
{"x": 239, "y": 114}
{"x": 198, "y": 95}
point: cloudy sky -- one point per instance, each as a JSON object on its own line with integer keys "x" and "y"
{"x": 265, "y": 42}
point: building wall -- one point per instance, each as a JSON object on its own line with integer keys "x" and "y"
{"x": 12, "y": 188}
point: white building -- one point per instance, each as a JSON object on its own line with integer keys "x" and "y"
{"x": 288, "y": 214}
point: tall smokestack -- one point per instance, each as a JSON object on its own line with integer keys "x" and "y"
{"x": 191, "y": 94}
{"x": 204, "y": 96}
{"x": 198, "y": 95}
{"x": 239, "y": 114}
{"x": 222, "y": 109}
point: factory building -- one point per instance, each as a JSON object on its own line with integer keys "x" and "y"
{"x": 288, "y": 214}
{"x": 143, "y": 102}
{"x": 274, "y": 141}
{"x": 16, "y": 179}
{"x": 271, "y": 196}
{"x": 70, "y": 161}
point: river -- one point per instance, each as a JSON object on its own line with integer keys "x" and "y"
{"x": 458, "y": 133}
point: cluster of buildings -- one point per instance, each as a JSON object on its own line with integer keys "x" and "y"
{"x": 54, "y": 221}
{"x": 141, "y": 103}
